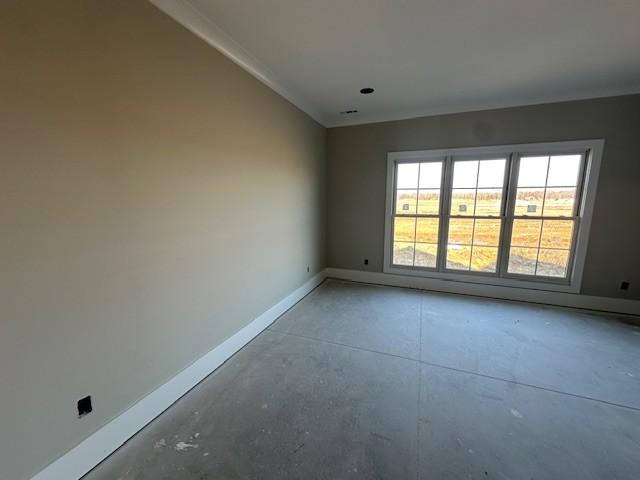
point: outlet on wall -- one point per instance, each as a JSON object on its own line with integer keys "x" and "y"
{"x": 366, "y": 261}
{"x": 307, "y": 268}
{"x": 84, "y": 406}
{"x": 624, "y": 285}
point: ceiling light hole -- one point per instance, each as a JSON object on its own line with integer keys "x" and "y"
{"x": 367, "y": 91}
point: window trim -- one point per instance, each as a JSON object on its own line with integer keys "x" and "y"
{"x": 585, "y": 202}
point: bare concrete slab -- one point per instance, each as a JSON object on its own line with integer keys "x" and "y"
{"x": 335, "y": 390}
{"x": 561, "y": 349}
{"x": 378, "y": 318}
{"x": 477, "y": 427}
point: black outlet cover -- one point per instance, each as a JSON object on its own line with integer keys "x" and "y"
{"x": 84, "y": 406}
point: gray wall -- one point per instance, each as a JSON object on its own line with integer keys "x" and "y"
{"x": 155, "y": 198}
{"x": 357, "y": 170}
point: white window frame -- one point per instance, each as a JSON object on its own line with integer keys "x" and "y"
{"x": 585, "y": 201}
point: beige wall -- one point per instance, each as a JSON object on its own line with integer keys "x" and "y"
{"x": 154, "y": 199}
{"x": 357, "y": 174}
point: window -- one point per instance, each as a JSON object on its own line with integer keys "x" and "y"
{"x": 417, "y": 213}
{"x": 476, "y": 214}
{"x": 512, "y": 215}
{"x": 545, "y": 215}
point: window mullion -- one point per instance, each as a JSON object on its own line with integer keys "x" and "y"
{"x": 447, "y": 186}
{"x": 509, "y": 210}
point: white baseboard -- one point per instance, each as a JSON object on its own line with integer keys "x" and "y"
{"x": 605, "y": 304}
{"x": 81, "y": 459}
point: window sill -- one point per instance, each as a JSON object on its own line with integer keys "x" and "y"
{"x": 550, "y": 286}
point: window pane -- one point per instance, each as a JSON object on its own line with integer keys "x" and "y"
{"x": 529, "y": 201}
{"x": 404, "y": 229}
{"x": 533, "y": 171}
{"x": 484, "y": 259}
{"x": 407, "y": 175}
{"x": 463, "y": 202}
{"x": 427, "y": 231}
{"x": 491, "y": 173}
{"x": 426, "y": 255}
{"x": 430, "y": 174}
{"x": 552, "y": 263}
{"x": 487, "y": 232}
{"x": 557, "y": 234}
{"x": 465, "y": 174}
{"x": 458, "y": 257}
{"x": 406, "y": 202}
{"x": 522, "y": 260}
{"x": 403, "y": 253}
{"x": 525, "y": 233}
{"x": 563, "y": 170}
{"x": 460, "y": 230}
{"x": 489, "y": 202}
{"x": 558, "y": 202}
{"x": 429, "y": 202}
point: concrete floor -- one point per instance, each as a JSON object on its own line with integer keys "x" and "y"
{"x": 359, "y": 381}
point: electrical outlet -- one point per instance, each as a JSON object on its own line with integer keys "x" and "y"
{"x": 307, "y": 268}
{"x": 366, "y": 261}
{"x": 84, "y": 406}
{"x": 624, "y": 285}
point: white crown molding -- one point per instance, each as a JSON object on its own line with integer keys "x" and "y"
{"x": 186, "y": 14}
{"x": 364, "y": 118}
{"x": 102, "y": 443}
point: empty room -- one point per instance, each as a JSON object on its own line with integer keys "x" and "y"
{"x": 304, "y": 239}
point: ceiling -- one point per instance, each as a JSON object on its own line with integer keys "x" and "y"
{"x": 424, "y": 57}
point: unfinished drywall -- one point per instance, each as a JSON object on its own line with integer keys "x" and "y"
{"x": 357, "y": 178}
{"x": 155, "y": 198}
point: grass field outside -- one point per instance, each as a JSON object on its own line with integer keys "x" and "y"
{"x": 537, "y": 246}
